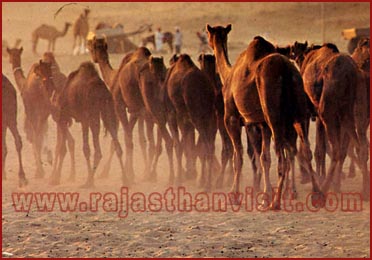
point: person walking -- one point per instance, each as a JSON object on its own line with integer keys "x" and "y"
{"x": 159, "y": 40}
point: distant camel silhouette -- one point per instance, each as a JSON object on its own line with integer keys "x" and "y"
{"x": 86, "y": 99}
{"x": 190, "y": 100}
{"x": 49, "y": 33}
{"x": 9, "y": 120}
{"x": 80, "y": 32}
{"x": 331, "y": 82}
{"x": 167, "y": 38}
{"x": 266, "y": 89}
{"x": 36, "y": 100}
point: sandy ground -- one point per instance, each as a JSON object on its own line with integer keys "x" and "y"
{"x": 177, "y": 234}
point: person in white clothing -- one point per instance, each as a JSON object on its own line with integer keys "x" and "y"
{"x": 159, "y": 40}
{"x": 178, "y": 40}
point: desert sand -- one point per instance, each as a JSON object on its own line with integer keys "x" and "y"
{"x": 174, "y": 234}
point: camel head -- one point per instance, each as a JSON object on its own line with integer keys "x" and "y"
{"x": 44, "y": 70}
{"x": 218, "y": 36}
{"x": 157, "y": 67}
{"x": 67, "y": 25}
{"x": 98, "y": 49}
{"x": 173, "y": 59}
{"x": 86, "y": 12}
{"x": 15, "y": 55}
{"x": 362, "y": 54}
{"x": 207, "y": 62}
{"x": 49, "y": 57}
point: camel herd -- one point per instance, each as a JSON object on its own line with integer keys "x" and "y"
{"x": 264, "y": 92}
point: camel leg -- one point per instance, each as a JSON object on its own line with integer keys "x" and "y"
{"x": 233, "y": 128}
{"x": 226, "y": 153}
{"x": 142, "y": 141}
{"x": 363, "y": 155}
{"x": 265, "y": 159}
{"x": 71, "y": 148}
{"x": 37, "y": 147}
{"x": 60, "y": 154}
{"x": 283, "y": 169}
{"x": 86, "y": 150}
{"x": 320, "y": 150}
{"x": 157, "y": 153}
{"x": 353, "y": 159}
{"x": 169, "y": 148}
{"x": 106, "y": 168}
{"x": 188, "y": 136}
{"x": 22, "y": 181}
{"x": 172, "y": 121}
{"x": 254, "y": 146}
{"x": 95, "y": 129}
{"x": 151, "y": 150}
{"x": 4, "y": 150}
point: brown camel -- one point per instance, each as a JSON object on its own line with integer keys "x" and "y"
{"x": 37, "y": 105}
{"x": 208, "y": 65}
{"x": 167, "y": 38}
{"x": 86, "y": 99}
{"x": 136, "y": 86}
{"x": 59, "y": 80}
{"x": 331, "y": 81}
{"x": 49, "y": 33}
{"x": 9, "y": 120}
{"x": 190, "y": 101}
{"x": 361, "y": 56}
{"x": 80, "y": 33}
{"x": 264, "y": 88}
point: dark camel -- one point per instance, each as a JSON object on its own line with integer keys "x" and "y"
{"x": 208, "y": 65}
{"x": 9, "y": 120}
{"x": 136, "y": 86}
{"x": 49, "y": 33}
{"x": 331, "y": 81}
{"x": 86, "y": 99}
{"x": 59, "y": 80}
{"x": 265, "y": 89}
{"x": 37, "y": 105}
{"x": 190, "y": 100}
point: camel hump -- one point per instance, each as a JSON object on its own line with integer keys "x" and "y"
{"x": 331, "y": 46}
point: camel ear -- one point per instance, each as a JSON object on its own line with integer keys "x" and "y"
{"x": 200, "y": 57}
{"x": 228, "y": 28}
{"x": 7, "y": 50}
{"x": 305, "y": 43}
{"x": 21, "y": 49}
{"x": 209, "y": 28}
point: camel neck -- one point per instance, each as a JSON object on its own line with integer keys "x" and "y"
{"x": 108, "y": 73}
{"x": 19, "y": 76}
{"x": 222, "y": 62}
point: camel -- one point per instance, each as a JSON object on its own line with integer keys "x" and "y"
{"x": 331, "y": 82}
{"x": 80, "y": 33}
{"x": 86, "y": 99}
{"x": 257, "y": 72}
{"x": 208, "y": 65}
{"x": 59, "y": 80}
{"x": 9, "y": 120}
{"x": 136, "y": 86}
{"x": 36, "y": 103}
{"x": 167, "y": 38}
{"x": 190, "y": 101}
{"x": 49, "y": 33}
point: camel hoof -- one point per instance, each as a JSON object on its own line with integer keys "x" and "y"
{"x": 22, "y": 182}
{"x": 318, "y": 200}
{"x": 219, "y": 184}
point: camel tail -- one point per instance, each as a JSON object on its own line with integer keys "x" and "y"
{"x": 107, "y": 111}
